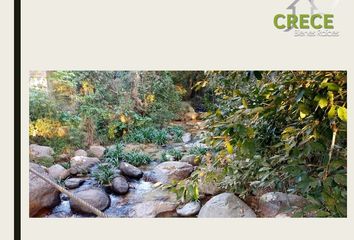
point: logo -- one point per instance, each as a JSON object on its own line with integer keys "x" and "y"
{"x": 304, "y": 18}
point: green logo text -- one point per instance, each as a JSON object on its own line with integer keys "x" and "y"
{"x": 304, "y": 21}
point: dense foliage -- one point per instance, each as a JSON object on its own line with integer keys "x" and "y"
{"x": 266, "y": 130}
{"x": 80, "y": 108}
{"x": 282, "y": 131}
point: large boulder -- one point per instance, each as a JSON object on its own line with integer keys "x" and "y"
{"x": 72, "y": 183}
{"x": 96, "y": 151}
{"x": 130, "y": 170}
{"x": 94, "y": 196}
{"x": 80, "y": 164}
{"x": 226, "y": 205}
{"x": 37, "y": 151}
{"x": 170, "y": 171}
{"x": 80, "y": 152}
{"x": 151, "y": 202}
{"x": 190, "y": 209}
{"x": 41, "y": 154}
{"x": 120, "y": 185}
{"x": 272, "y": 204}
{"x": 151, "y": 209}
{"x": 58, "y": 172}
{"x": 42, "y": 195}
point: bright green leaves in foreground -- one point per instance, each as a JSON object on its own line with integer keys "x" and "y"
{"x": 277, "y": 135}
{"x": 342, "y": 113}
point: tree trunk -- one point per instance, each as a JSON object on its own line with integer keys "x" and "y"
{"x": 139, "y": 105}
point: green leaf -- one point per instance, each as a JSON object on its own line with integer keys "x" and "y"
{"x": 341, "y": 179}
{"x": 229, "y": 147}
{"x": 323, "y": 102}
{"x": 299, "y": 96}
{"x": 244, "y": 103}
{"x": 332, "y": 87}
{"x": 332, "y": 112}
{"x": 289, "y": 130}
{"x": 330, "y": 96}
{"x": 342, "y": 113}
{"x": 321, "y": 213}
{"x": 304, "y": 110}
{"x": 196, "y": 192}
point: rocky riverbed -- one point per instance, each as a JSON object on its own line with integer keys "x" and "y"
{"x": 139, "y": 192}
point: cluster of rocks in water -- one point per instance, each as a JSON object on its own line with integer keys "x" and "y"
{"x": 136, "y": 192}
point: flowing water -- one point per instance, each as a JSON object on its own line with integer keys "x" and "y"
{"x": 144, "y": 199}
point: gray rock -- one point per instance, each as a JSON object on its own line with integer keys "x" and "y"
{"x": 190, "y": 209}
{"x": 120, "y": 185}
{"x": 41, "y": 154}
{"x": 96, "y": 151}
{"x": 274, "y": 203}
{"x": 58, "y": 172}
{"x": 72, "y": 183}
{"x": 170, "y": 171}
{"x": 37, "y": 151}
{"x": 96, "y": 197}
{"x": 151, "y": 209}
{"x": 187, "y": 137}
{"x": 42, "y": 195}
{"x": 80, "y": 164}
{"x": 191, "y": 159}
{"x": 130, "y": 170}
{"x": 81, "y": 153}
{"x": 144, "y": 199}
{"x": 226, "y": 205}
{"x": 63, "y": 157}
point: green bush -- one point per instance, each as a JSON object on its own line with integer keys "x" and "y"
{"x": 176, "y": 132}
{"x": 167, "y": 100}
{"x": 104, "y": 173}
{"x": 147, "y": 135}
{"x": 41, "y": 105}
{"x": 137, "y": 158}
{"x": 175, "y": 153}
{"x": 160, "y": 137}
{"x": 115, "y": 154}
{"x": 279, "y": 135}
{"x": 198, "y": 150}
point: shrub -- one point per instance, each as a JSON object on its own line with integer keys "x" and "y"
{"x": 167, "y": 100}
{"x": 147, "y": 135}
{"x": 160, "y": 137}
{"x": 286, "y": 135}
{"x": 104, "y": 173}
{"x": 137, "y": 158}
{"x": 175, "y": 153}
{"x": 198, "y": 150}
{"x": 41, "y": 105}
{"x": 114, "y": 155}
{"x": 176, "y": 132}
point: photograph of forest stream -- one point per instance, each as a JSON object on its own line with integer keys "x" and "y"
{"x": 197, "y": 144}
